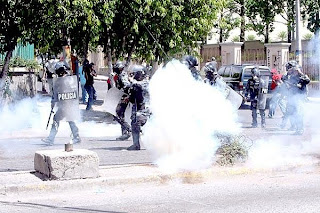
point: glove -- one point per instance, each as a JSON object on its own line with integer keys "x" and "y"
{"x": 299, "y": 85}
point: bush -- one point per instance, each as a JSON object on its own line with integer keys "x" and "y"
{"x": 20, "y": 62}
{"x": 233, "y": 149}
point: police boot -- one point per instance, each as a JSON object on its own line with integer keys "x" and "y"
{"x": 263, "y": 118}
{"x": 75, "y": 132}
{"x": 48, "y": 141}
{"x": 299, "y": 132}
{"x": 283, "y": 123}
{"x": 76, "y": 139}
{"x": 136, "y": 140}
{"x": 125, "y": 135}
{"x": 254, "y": 118}
{"x": 54, "y": 130}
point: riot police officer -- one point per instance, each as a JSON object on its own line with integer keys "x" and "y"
{"x": 191, "y": 62}
{"x": 65, "y": 96}
{"x": 296, "y": 84}
{"x": 138, "y": 96}
{"x": 211, "y": 74}
{"x": 122, "y": 82}
{"x": 257, "y": 88}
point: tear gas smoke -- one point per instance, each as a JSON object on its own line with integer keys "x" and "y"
{"x": 285, "y": 149}
{"x": 276, "y": 153}
{"x": 186, "y": 116}
{"x": 28, "y": 118}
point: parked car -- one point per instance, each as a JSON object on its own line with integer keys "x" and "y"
{"x": 236, "y": 76}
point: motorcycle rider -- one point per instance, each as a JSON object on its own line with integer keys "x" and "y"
{"x": 257, "y": 88}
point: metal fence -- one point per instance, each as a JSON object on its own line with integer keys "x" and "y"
{"x": 22, "y": 51}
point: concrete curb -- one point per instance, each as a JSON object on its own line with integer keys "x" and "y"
{"x": 29, "y": 181}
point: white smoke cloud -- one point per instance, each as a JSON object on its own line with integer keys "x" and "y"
{"x": 28, "y": 118}
{"x": 276, "y": 153}
{"x": 186, "y": 115}
{"x": 289, "y": 150}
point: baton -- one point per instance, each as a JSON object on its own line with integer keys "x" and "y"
{"x": 49, "y": 118}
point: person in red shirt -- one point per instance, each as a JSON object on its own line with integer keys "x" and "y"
{"x": 277, "y": 97}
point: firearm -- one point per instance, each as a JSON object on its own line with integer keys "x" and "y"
{"x": 49, "y": 117}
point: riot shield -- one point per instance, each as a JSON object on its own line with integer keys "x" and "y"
{"x": 263, "y": 90}
{"x": 231, "y": 95}
{"x": 235, "y": 98}
{"x": 65, "y": 94}
{"x": 113, "y": 97}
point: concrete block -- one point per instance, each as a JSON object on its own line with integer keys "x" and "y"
{"x": 62, "y": 165}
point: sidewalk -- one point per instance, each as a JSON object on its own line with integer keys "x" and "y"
{"x": 30, "y": 181}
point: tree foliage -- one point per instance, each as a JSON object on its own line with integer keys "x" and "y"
{"x": 226, "y": 21}
{"x": 149, "y": 30}
{"x": 310, "y": 12}
{"x": 15, "y": 23}
{"x": 153, "y": 30}
{"x": 261, "y": 14}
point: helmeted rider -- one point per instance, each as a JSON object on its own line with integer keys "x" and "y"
{"x": 122, "y": 82}
{"x": 191, "y": 62}
{"x": 63, "y": 104}
{"x": 296, "y": 83}
{"x": 257, "y": 88}
{"x": 138, "y": 96}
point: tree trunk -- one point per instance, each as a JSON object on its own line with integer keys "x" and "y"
{"x": 289, "y": 33}
{"x": 243, "y": 21}
{"x": 266, "y": 37}
{"x": 220, "y": 30}
{"x": 5, "y": 68}
{"x": 86, "y": 47}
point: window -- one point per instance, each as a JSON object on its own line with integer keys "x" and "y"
{"x": 227, "y": 72}
{"x": 221, "y": 70}
{"x": 236, "y": 72}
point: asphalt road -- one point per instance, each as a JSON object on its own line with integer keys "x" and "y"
{"x": 17, "y": 150}
{"x": 292, "y": 192}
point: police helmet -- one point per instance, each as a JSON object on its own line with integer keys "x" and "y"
{"x": 139, "y": 72}
{"x": 255, "y": 72}
{"x": 210, "y": 68}
{"x": 291, "y": 64}
{"x": 190, "y": 61}
{"x": 119, "y": 64}
{"x": 61, "y": 71}
{"x": 118, "y": 67}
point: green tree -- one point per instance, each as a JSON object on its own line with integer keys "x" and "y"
{"x": 226, "y": 21}
{"x": 15, "y": 23}
{"x": 282, "y": 35}
{"x": 71, "y": 20}
{"x": 251, "y": 37}
{"x": 308, "y": 36}
{"x": 310, "y": 12}
{"x": 153, "y": 30}
{"x": 235, "y": 39}
{"x": 261, "y": 14}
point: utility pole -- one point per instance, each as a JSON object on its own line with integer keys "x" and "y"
{"x": 298, "y": 37}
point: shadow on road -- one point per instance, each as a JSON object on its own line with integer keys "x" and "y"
{"x": 97, "y": 116}
{"x": 36, "y": 206}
